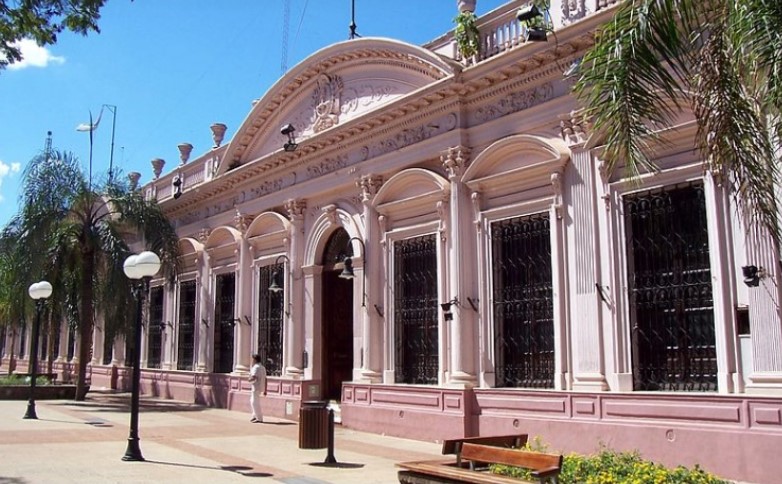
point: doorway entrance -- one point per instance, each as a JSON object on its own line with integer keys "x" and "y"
{"x": 337, "y": 318}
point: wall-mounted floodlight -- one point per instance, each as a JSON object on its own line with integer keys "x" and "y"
{"x": 177, "y": 187}
{"x": 528, "y": 12}
{"x": 446, "y": 307}
{"x": 291, "y": 144}
{"x": 752, "y": 275}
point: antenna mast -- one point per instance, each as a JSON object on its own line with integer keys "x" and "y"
{"x": 286, "y": 20}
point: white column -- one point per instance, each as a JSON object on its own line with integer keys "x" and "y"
{"x": 295, "y": 295}
{"x": 586, "y": 332}
{"x": 204, "y": 316}
{"x": 306, "y": 327}
{"x": 243, "y": 310}
{"x": 372, "y": 268}
{"x": 461, "y": 273}
{"x": 98, "y": 335}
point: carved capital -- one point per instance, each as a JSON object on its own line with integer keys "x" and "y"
{"x": 295, "y": 209}
{"x": 331, "y": 213}
{"x": 203, "y": 234}
{"x": 455, "y": 160}
{"x": 241, "y": 221}
{"x": 574, "y": 128}
{"x": 369, "y": 185}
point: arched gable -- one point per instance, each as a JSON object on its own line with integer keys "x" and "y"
{"x": 515, "y": 164}
{"x": 190, "y": 252}
{"x": 268, "y": 230}
{"x": 412, "y": 192}
{"x": 223, "y": 242}
{"x": 332, "y": 86}
{"x": 330, "y": 220}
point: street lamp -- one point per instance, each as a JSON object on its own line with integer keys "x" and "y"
{"x": 277, "y": 285}
{"x": 142, "y": 266}
{"x": 38, "y": 291}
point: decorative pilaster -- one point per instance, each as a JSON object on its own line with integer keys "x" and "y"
{"x": 244, "y": 297}
{"x": 373, "y": 314}
{"x": 461, "y": 268}
{"x": 294, "y": 323}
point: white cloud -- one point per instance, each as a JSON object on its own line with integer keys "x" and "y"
{"x": 34, "y": 55}
{"x": 5, "y": 170}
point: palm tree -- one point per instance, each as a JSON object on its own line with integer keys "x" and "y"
{"x": 80, "y": 233}
{"x": 14, "y": 280}
{"x": 722, "y": 59}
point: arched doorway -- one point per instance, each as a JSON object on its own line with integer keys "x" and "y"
{"x": 337, "y": 317}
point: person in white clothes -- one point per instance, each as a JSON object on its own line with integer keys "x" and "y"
{"x": 258, "y": 379}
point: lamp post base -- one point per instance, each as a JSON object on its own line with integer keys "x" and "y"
{"x": 133, "y": 452}
{"x": 30, "y": 413}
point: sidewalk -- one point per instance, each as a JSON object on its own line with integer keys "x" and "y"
{"x": 85, "y": 441}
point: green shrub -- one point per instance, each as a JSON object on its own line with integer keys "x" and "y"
{"x": 18, "y": 380}
{"x": 612, "y": 467}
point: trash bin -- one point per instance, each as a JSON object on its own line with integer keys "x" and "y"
{"x": 314, "y": 425}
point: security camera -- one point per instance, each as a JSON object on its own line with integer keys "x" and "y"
{"x": 527, "y": 13}
{"x": 287, "y": 130}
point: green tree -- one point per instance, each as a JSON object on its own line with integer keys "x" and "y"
{"x": 42, "y": 21}
{"x": 720, "y": 58}
{"x": 14, "y": 281}
{"x": 80, "y": 235}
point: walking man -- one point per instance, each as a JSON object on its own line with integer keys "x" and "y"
{"x": 258, "y": 379}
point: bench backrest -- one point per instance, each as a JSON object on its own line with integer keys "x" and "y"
{"x": 534, "y": 461}
{"x": 454, "y": 446}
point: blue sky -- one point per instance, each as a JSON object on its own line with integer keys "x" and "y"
{"x": 172, "y": 68}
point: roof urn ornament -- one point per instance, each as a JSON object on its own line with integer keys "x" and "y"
{"x": 157, "y": 166}
{"x": 184, "y": 152}
{"x": 466, "y": 5}
{"x": 218, "y": 133}
{"x": 134, "y": 177}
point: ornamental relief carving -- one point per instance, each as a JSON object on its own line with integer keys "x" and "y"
{"x": 363, "y": 96}
{"x": 410, "y": 136}
{"x": 573, "y": 10}
{"x": 326, "y": 100}
{"x": 327, "y": 166}
{"x": 514, "y": 102}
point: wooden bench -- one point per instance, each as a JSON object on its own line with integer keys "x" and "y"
{"x": 454, "y": 446}
{"x": 543, "y": 467}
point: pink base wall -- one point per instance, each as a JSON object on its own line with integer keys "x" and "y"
{"x": 735, "y": 437}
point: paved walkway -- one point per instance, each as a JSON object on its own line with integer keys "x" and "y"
{"x": 85, "y": 441}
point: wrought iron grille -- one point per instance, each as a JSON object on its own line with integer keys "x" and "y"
{"x": 108, "y": 346}
{"x": 224, "y": 323}
{"x": 669, "y": 285}
{"x": 22, "y": 341}
{"x": 523, "y": 302}
{"x": 186, "y": 326}
{"x": 270, "y": 311}
{"x": 155, "y": 328}
{"x": 415, "y": 313}
{"x": 71, "y": 342}
{"x": 337, "y": 248}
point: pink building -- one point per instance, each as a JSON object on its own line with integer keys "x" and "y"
{"x": 504, "y": 280}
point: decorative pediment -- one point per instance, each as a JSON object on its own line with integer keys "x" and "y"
{"x": 331, "y": 87}
{"x": 190, "y": 252}
{"x": 268, "y": 230}
{"x": 412, "y": 192}
{"x": 516, "y": 163}
{"x": 223, "y": 242}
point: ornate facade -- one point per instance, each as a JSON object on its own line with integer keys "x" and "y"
{"x": 505, "y": 279}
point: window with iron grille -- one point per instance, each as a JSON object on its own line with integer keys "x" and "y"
{"x": 155, "y": 327}
{"x": 523, "y": 302}
{"x": 71, "y": 341}
{"x": 224, "y": 323}
{"x": 108, "y": 345}
{"x": 270, "y": 312}
{"x": 415, "y": 310}
{"x": 669, "y": 290}
{"x": 22, "y": 340}
{"x": 186, "y": 326}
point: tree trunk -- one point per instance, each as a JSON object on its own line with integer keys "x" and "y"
{"x": 85, "y": 327}
{"x": 11, "y": 360}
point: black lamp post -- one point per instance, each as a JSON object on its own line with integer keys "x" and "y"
{"x": 38, "y": 291}
{"x": 142, "y": 266}
{"x": 347, "y": 270}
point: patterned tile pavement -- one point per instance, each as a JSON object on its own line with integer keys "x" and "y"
{"x": 85, "y": 441}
